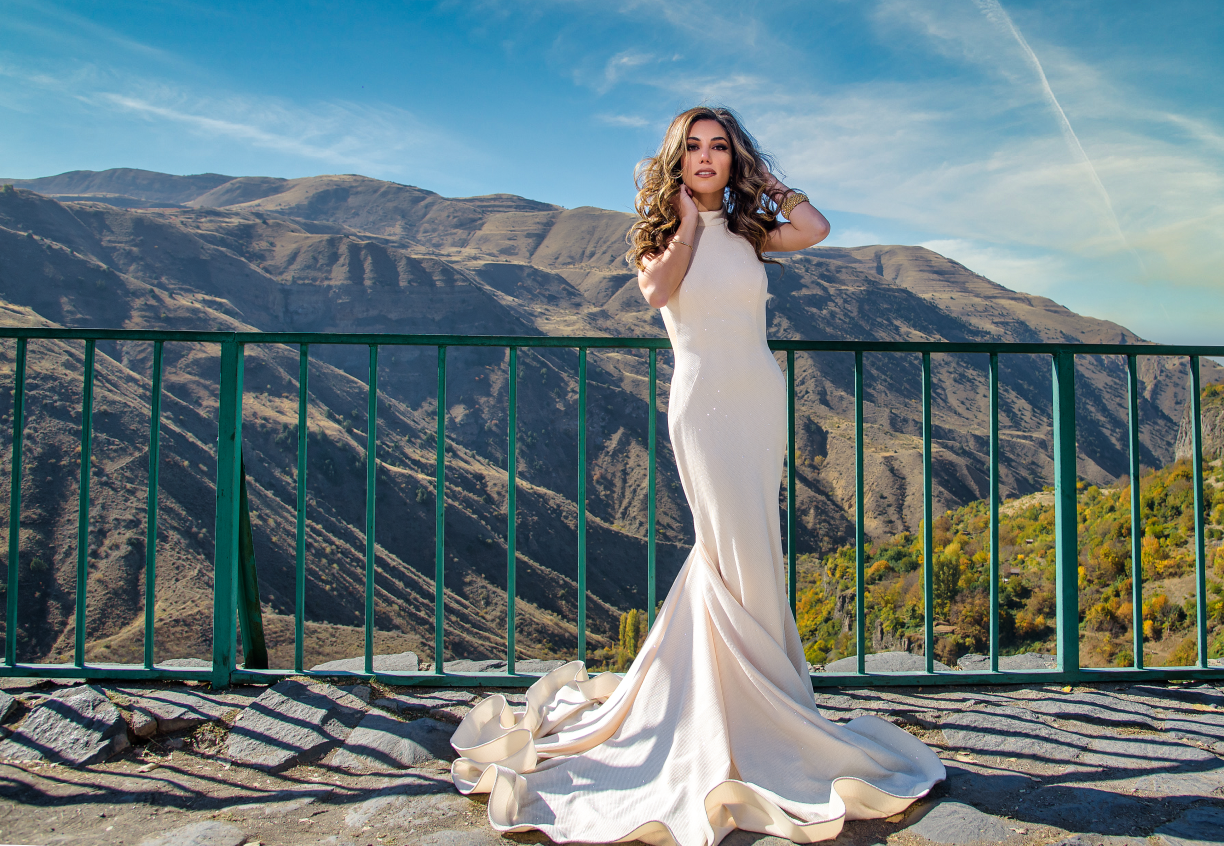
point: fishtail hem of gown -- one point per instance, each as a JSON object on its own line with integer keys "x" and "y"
{"x": 496, "y": 746}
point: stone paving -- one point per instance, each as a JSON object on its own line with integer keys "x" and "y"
{"x": 308, "y": 762}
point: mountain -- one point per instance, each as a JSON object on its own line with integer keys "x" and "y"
{"x": 125, "y": 186}
{"x": 352, "y": 254}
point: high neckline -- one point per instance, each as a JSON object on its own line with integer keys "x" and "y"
{"x": 709, "y": 217}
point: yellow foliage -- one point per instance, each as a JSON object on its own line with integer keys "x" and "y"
{"x": 1156, "y": 607}
{"x": 632, "y": 634}
{"x": 1186, "y": 653}
{"x": 961, "y": 572}
{"x": 1028, "y": 626}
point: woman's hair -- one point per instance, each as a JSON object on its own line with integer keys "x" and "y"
{"x": 749, "y": 212}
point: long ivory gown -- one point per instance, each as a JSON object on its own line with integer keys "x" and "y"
{"x": 714, "y": 727}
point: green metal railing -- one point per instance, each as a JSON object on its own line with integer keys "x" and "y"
{"x": 236, "y": 591}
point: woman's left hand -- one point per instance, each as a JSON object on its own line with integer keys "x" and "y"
{"x": 774, "y": 189}
{"x": 804, "y": 227}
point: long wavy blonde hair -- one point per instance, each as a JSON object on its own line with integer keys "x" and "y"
{"x": 750, "y": 212}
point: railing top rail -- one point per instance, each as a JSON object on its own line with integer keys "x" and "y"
{"x": 598, "y": 342}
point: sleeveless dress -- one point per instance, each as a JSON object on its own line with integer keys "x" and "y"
{"x": 714, "y": 726}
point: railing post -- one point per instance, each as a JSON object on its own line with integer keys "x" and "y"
{"x": 1200, "y": 553}
{"x": 151, "y": 518}
{"x": 994, "y": 512}
{"x": 371, "y": 502}
{"x": 82, "y": 569}
{"x": 792, "y": 543}
{"x": 250, "y": 614}
{"x": 651, "y": 436}
{"x": 928, "y": 516}
{"x": 1066, "y": 520}
{"x": 860, "y": 561}
{"x": 1136, "y": 508}
{"x": 225, "y": 554}
{"x": 440, "y": 518}
{"x": 14, "y": 526}
{"x": 511, "y": 504}
{"x": 582, "y": 521}
{"x": 299, "y": 611}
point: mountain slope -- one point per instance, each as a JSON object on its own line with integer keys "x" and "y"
{"x": 347, "y": 253}
{"x": 132, "y": 187}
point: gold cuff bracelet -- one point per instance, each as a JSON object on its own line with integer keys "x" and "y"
{"x": 792, "y": 200}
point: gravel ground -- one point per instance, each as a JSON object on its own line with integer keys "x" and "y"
{"x": 1110, "y": 765}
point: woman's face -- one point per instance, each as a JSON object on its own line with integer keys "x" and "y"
{"x": 707, "y": 158}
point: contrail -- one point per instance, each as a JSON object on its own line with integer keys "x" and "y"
{"x": 997, "y": 15}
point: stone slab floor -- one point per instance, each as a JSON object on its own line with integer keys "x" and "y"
{"x": 305, "y": 762}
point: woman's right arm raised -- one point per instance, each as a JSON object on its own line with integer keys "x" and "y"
{"x": 661, "y": 274}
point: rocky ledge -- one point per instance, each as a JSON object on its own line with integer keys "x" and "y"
{"x": 304, "y": 761}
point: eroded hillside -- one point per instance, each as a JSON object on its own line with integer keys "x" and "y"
{"x": 351, "y": 254}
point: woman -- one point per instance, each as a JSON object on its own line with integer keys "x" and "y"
{"x": 714, "y": 727}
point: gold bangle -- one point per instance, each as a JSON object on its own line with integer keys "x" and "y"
{"x": 678, "y": 241}
{"x": 792, "y": 200}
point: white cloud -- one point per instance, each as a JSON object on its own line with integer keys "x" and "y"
{"x": 76, "y": 31}
{"x": 981, "y": 160}
{"x": 1041, "y": 170}
{"x": 1039, "y": 274}
{"x": 333, "y": 133}
{"x": 602, "y": 78}
{"x": 851, "y": 237}
{"x": 711, "y": 26}
{"x": 623, "y": 120}
{"x": 380, "y": 141}
{"x": 622, "y": 63}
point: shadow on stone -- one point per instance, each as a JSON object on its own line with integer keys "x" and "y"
{"x": 199, "y": 834}
{"x": 1201, "y": 826}
{"x": 418, "y": 798}
{"x": 1012, "y": 732}
{"x": 994, "y": 791}
{"x": 78, "y": 727}
{"x": 958, "y": 824}
{"x": 384, "y": 743}
{"x": 1089, "y": 810}
{"x": 293, "y": 723}
{"x": 1095, "y": 708}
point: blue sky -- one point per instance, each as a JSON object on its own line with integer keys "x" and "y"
{"x": 1070, "y": 149}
